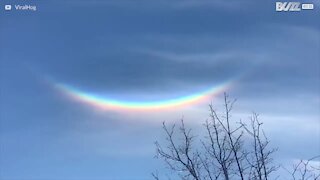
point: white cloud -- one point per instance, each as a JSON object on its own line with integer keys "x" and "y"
{"x": 206, "y": 57}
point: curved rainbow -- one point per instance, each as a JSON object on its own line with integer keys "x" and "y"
{"x": 113, "y": 104}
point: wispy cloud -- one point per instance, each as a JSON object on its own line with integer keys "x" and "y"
{"x": 205, "y": 57}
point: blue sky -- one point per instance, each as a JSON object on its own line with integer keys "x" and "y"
{"x": 148, "y": 49}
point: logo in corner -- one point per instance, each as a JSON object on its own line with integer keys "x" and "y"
{"x": 7, "y": 7}
{"x": 293, "y": 6}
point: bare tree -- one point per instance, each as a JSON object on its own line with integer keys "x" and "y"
{"x": 305, "y": 170}
{"x": 181, "y": 158}
{"x": 225, "y": 143}
{"x": 259, "y": 156}
{"x": 224, "y": 154}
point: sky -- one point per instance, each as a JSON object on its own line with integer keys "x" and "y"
{"x": 148, "y": 51}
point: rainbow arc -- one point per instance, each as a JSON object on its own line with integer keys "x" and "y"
{"x": 103, "y": 102}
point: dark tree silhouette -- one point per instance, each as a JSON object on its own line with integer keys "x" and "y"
{"x": 230, "y": 150}
{"x": 305, "y": 170}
